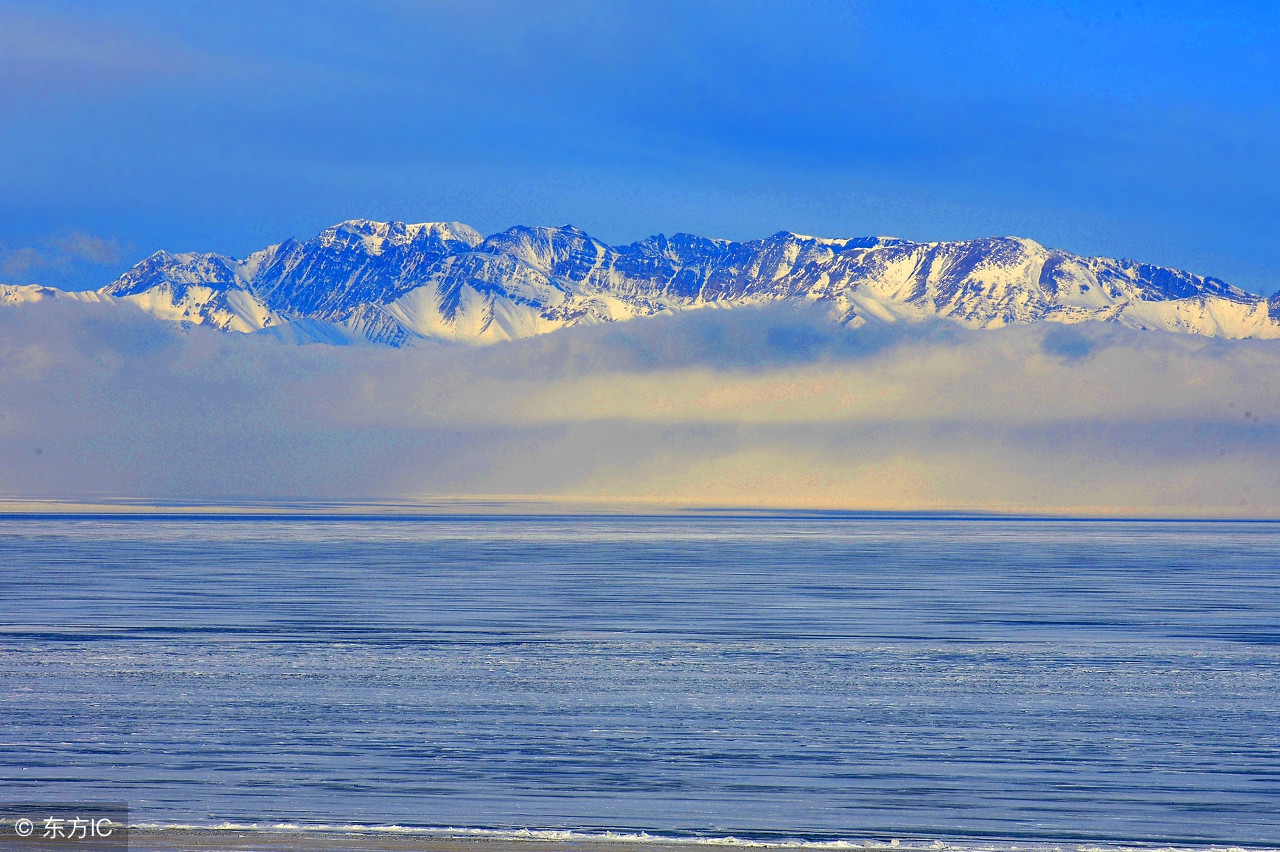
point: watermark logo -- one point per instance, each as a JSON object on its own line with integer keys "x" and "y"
{"x": 67, "y": 826}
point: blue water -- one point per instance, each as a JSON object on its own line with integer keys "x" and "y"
{"x": 767, "y": 677}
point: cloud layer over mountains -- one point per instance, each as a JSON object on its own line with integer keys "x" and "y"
{"x": 769, "y": 406}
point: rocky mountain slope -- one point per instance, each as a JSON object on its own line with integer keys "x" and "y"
{"x": 396, "y": 283}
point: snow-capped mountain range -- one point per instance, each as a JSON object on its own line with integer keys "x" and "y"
{"x": 396, "y": 284}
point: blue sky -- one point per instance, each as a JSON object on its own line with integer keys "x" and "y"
{"x": 1145, "y": 130}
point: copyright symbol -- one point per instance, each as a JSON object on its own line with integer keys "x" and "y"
{"x": 24, "y": 827}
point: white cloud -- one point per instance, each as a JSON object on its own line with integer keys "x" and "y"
{"x": 760, "y": 407}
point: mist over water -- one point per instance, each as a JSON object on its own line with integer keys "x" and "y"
{"x": 774, "y": 406}
{"x": 818, "y": 677}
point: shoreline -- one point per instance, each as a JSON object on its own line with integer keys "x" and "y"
{"x": 391, "y": 838}
{"x": 518, "y": 506}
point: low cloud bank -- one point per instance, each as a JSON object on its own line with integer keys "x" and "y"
{"x": 766, "y": 407}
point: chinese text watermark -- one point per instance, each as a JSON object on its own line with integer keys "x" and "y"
{"x": 65, "y": 826}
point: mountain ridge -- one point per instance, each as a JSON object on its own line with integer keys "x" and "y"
{"x": 400, "y": 283}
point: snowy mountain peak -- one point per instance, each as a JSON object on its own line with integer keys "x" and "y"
{"x": 374, "y": 236}
{"x": 397, "y": 283}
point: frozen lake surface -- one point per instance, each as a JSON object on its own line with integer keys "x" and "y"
{"x": 777, "y": 677}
